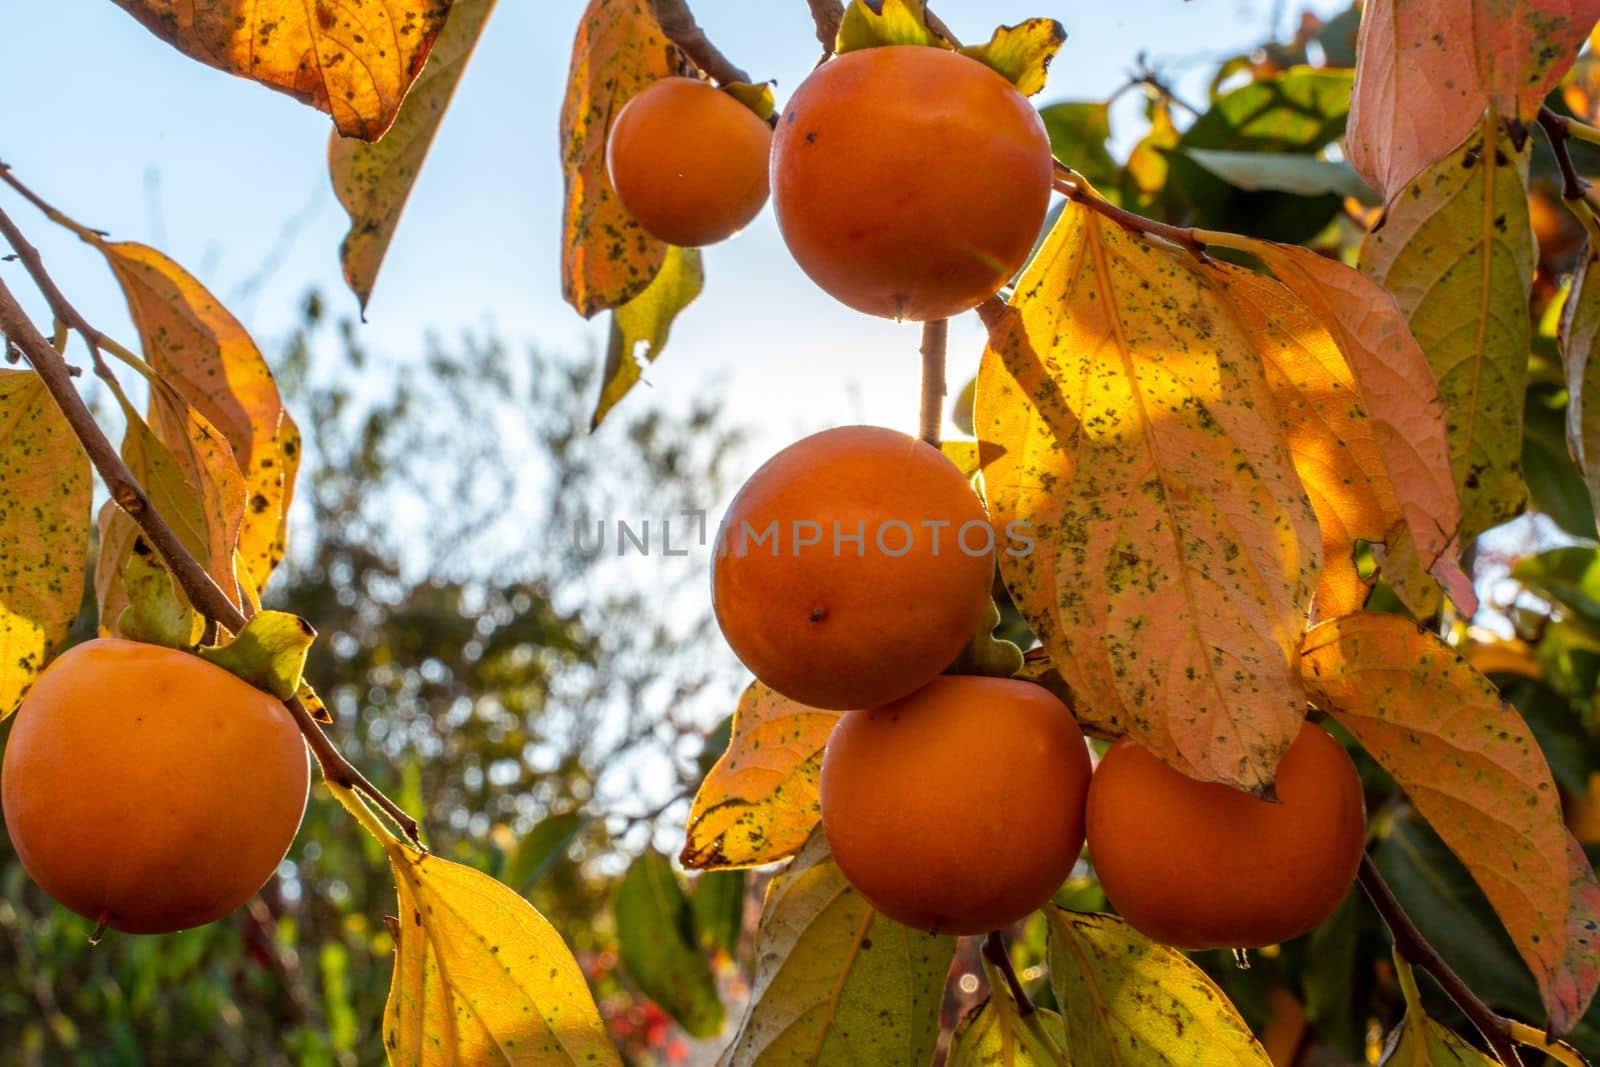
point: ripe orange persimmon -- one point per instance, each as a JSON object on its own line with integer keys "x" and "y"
{"x": 852, "y": 567}
{"x": 148, "y": 789}
{"x": 960, "y": 808}
{"x": 909, "y": 181}
{"x": 1200, "y": 865}
{"x": 689, "y": 161}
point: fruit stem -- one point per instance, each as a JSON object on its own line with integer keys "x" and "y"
{"x": 1557, "y": 130}
{"x": 995, "y": 951}
{"x": 204, "y": 595}
{"x": 935, "y": 345}
{"x": 1076, "y": 187}
{"x": 678, "y": 23}
{"x": 1416, "y": 950}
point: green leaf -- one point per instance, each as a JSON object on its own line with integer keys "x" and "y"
{"x": 1330, "y": 980}
{"x": 1302, "y": 110}
{"x": 835, "y": 981}
{"x": 1283, "y": 172}
{"x": 1580, "y": 328}
{"x": 542, "y": 849}
{"x": 718, "y": 901}
{"x": 1570, "y": 576}
{"x": 658, "y": 946}
{"x": 44, "y": 530}
{"x": 1126, "y": 999}
{"x": 1555, "y": 483}
{"x": 1079, "y": 131}
{"x": 647, "y": 319}
{"x": 1021, "y": 54}
{"x": 156, "y": 613}
{"x": 269, "y": 653}
{"x": 899, "y": 22}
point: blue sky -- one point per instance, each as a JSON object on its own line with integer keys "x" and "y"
{"x": 127, "y": 135}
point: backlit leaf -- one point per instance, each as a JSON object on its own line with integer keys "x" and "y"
{"x": 542, "y": 848}
{"x": 354, "y": 61}
{"x": 1421, "y": 1042}
{"x": 894, "y": 22}
{"x": 1176, "y": 552}
{"x": 1580, "y": 330}
{"x": 480, "y": 976}
{"x": 1126, "y": 999}
{"x": 759, "y": 802}
{"x": 836, "y": 982}
{"x": 607, "y": 259}
{"x": 206, "y": 356}
{"x": 1575, "y": 985}
{"x": 44, "y": 530}
{"x": 373, "y": 181}
{"x": 1401, "y": 396}
{"x": 998, "y": 1035}
{"x": 269, "y": 653}
{"x": 1079, "y": 132}
{"x": 1022, "y": 53}
{"x": 647, "y": 319}
{"x": 156, "y": 613}
{"x": 657, "y": 944}
{"x": 1467, "y": 760}
{"x": 1426, "y": 72}
{"x": 1456, "y": 249}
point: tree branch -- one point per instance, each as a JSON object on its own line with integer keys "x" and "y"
{"x": 1416, "y": 950}
{"x": 995, "y": 951}
{"x": 827, "y": 14}
{"x": 202, "y": 592}
{"x": 1557, "y": 130}
{"x": 935, "y": 344}
{"x": 678, "y": 23}
{"x": 1075, "y": 187}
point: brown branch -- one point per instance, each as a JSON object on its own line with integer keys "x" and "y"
{"x": 994, "y": 950}
{"x": 1070, "y": 184}
{"x": 203, "y": 593}
{"x": 827, "y": 14}
{"x": 1557, "y": 130}
{"x": 935, "y": 344}
{"x": 1415, "y": 949}
{"x": 678, "y": 23}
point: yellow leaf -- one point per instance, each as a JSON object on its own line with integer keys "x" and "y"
{"x": 44, "y": 530}
{"x": 759, "y": 802}
{"x": 964, "y": 454}
{"x": 1456, "y": 250}
{"x": 1419, "y": 1041}
{"x": 1332, "y": 440}
{"x": 1022, "y": 53}
{"x": 269, "y": 653}
{"x": 1398, "y": 389}
{"x": 1147, "y": 163}
{"x": 1467, "y": 760}
{"x": 1426, "y": 72}
{"x": 895, "y": 22}
{"x": 1175, "y": 551}
{"x": 607, "y": 259}
{"x": 480, "y": 976}
{"x": 1129, "y": 1000}
{"x": 373, "y": 181}
{"x": 156, "y": 613}
{"x": 210, "y": 362}
{"x": 354, "y": 61}
{"x": 999, "y": 1035}
{"x": 647, "y": 319}
{"x": 835, "y": 981}
{"x": 1580, "y": 329}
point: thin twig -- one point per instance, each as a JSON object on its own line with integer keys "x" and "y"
{"x": 935, "y": 345}
{"x": 827, "y": 15}
{"x": 1581, "y": 131}
{"x": 203, "y": 593}
{"x": 678, "y": 23}
{"x": 995, "y": 951}
{"x": 1076, "y": 188}
{"x": 1557, "y": 130}
{"x": 1416, "y": 950}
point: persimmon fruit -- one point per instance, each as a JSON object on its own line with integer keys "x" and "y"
{"x": 148, "y": 789}
{"x": 852, "y": 567}
{"x": 1200, "y": 865}
{"x": 689, "y": 161}
{"x": 909, "y": 181}
{"x": 958, "y": 809}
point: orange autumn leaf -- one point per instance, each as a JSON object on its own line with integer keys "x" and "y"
{"x": 1468, "y": 762}
{"x": 1426, "y": 72}
{"x": 1397, "y": 388}
{"x": 211, "y": 363}
{"x": 354, "y": 61}
{"x": 1575, "y": 985}
{"x": 759, "y": 802}
{"x": 1333, "y": 442}
{"x": 1176, "y": 554}
{"x": 606, "y": 257}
